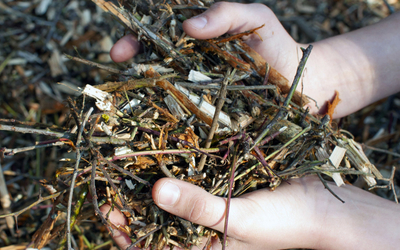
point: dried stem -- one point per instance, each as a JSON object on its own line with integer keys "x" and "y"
{"x": 327, "y": 187}
{"x": 5, "y": 201}
{"x": 93, "y": 64}
{"x": 78, "y": 206}
{"x": 274, "y": 153}
{"x": 72, "y": 187}
{"x": 282, "y": 111}
{"x": 40, "y": 200}
{"x": 14, "y": 151}
{"x": 67, "y": 135}
{"x": 166, "y": 151}
{"x": 132, "y": 247}
{"x": 228, "y": 200}
{"x": 132, "y": 84}
{"x": 183, "y": 142}
{"x": 230, "y": 88}
{"x": 214, "y": 125}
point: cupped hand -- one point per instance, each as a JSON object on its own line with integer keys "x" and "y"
{"x": 276, "y": 46}
{"x": 284, "y": 218}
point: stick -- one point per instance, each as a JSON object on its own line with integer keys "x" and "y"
{"x": 6, "y": 201}
{"x": 282, "y": 111}
{"x": 329, "y": 189}
{"x": 93, "y": 64}
{"x": 161, "y": 152}
{"x": 230, "y": 88}
{"x": 71, "y": 189}
{"x": 67, "y": 135}
{"x": 214, "y": 125}
{"x": 40, "y": 200}
{"x": 228, "y": 200}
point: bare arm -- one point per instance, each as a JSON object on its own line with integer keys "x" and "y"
{"x": 363, "y": 65}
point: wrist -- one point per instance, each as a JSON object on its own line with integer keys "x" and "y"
{"x": 364, "y": 221}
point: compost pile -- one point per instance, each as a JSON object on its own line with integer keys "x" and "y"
{"x": 209, "y": 112}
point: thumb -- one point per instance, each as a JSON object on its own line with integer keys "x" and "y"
{"x": 193, "y": 203}
{"x": 276, "y": 46}
{"x": 224, "y": 17}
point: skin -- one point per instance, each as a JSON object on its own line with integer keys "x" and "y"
{"x": 303, "y": 214}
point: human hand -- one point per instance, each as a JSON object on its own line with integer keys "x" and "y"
{"x": 262, "y": 219}
{"x": 276, "y": 46}
{"x": 300, "y": 215}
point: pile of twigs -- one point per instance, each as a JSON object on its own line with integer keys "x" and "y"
{"x": 209, "y": 112}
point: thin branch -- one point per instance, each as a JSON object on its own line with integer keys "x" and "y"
{"x": 162, "y": 152}
{"x": 329, "y": 189}
{"x": 183, "y": 142}
{"x": 5, "y": 201}
{"x": 14, "y": 151}
{"x": 230, "y": 88}
{"x": 381, "y": 150}
{"x": 228, "y": 200}
{"x": 93, "y": 64}
{"x": 67, "y": 135}
{"x": 72, "y": 187}
{"x": 40, "y": 200}
{"x": 282, "y": 111}
{"x": 274, "y": 153}
{"x": 214, "y": 125}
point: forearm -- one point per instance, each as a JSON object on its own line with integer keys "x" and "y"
{"x": 363, "y": 66}
{"x": 365, "y": 221}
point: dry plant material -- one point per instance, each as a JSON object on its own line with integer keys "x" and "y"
{"x": 332, "y": 105}
{"x": 229, "y": 137}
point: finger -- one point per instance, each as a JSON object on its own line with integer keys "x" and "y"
{"x": 125, "y": 48}
{"x": 276, "y": 46}
{"x": 224, "y": 17}
{"x": 117, "y": 218}
{"x": 196, "y": 205}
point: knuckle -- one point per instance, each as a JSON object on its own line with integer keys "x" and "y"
{"x": 201, "y": 209}
{"x": 220, "y": 6}
{"x": 262, "y": 8}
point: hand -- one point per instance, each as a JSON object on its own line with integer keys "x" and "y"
{"x": 353, "y": 64}
{"x": 300, "y": 215}
{"x": 263, "y": 219}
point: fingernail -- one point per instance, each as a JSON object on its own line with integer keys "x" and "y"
{"x": 169, "y": 194}
{"x": 198, "y": 22}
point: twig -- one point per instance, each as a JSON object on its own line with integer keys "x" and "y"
{"x": 265, "y": 164}
{"x": 132, "y": 247}
{"x": 329, "y": 189}
{"x": 183, "y": 142}
{"x": 381, "y": 150}
{"x": 161, "y": 152}
{"x": 93, "y": 64}
{"x": 132, "y": 84}
{"x": 165, "y": 170}
{"x": 274, "y": 153}
{"x": 230, "y": 88}
{"x": 67, "y": 135}
{"x": 72, "y": 187}
{"x": 118, "y": 168}
{"x": 14, "y": 151}
{"x": 78, "y": 206}
{"x": 282, "y": 110}
{"x": 5, "y": 201}
{"x": 40, "y": 200}
{"x": 114, "y": 187}
{"x": 228, "y": 200}
{"x": 214, "y": 125}
{"x": 136, "y": 26}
